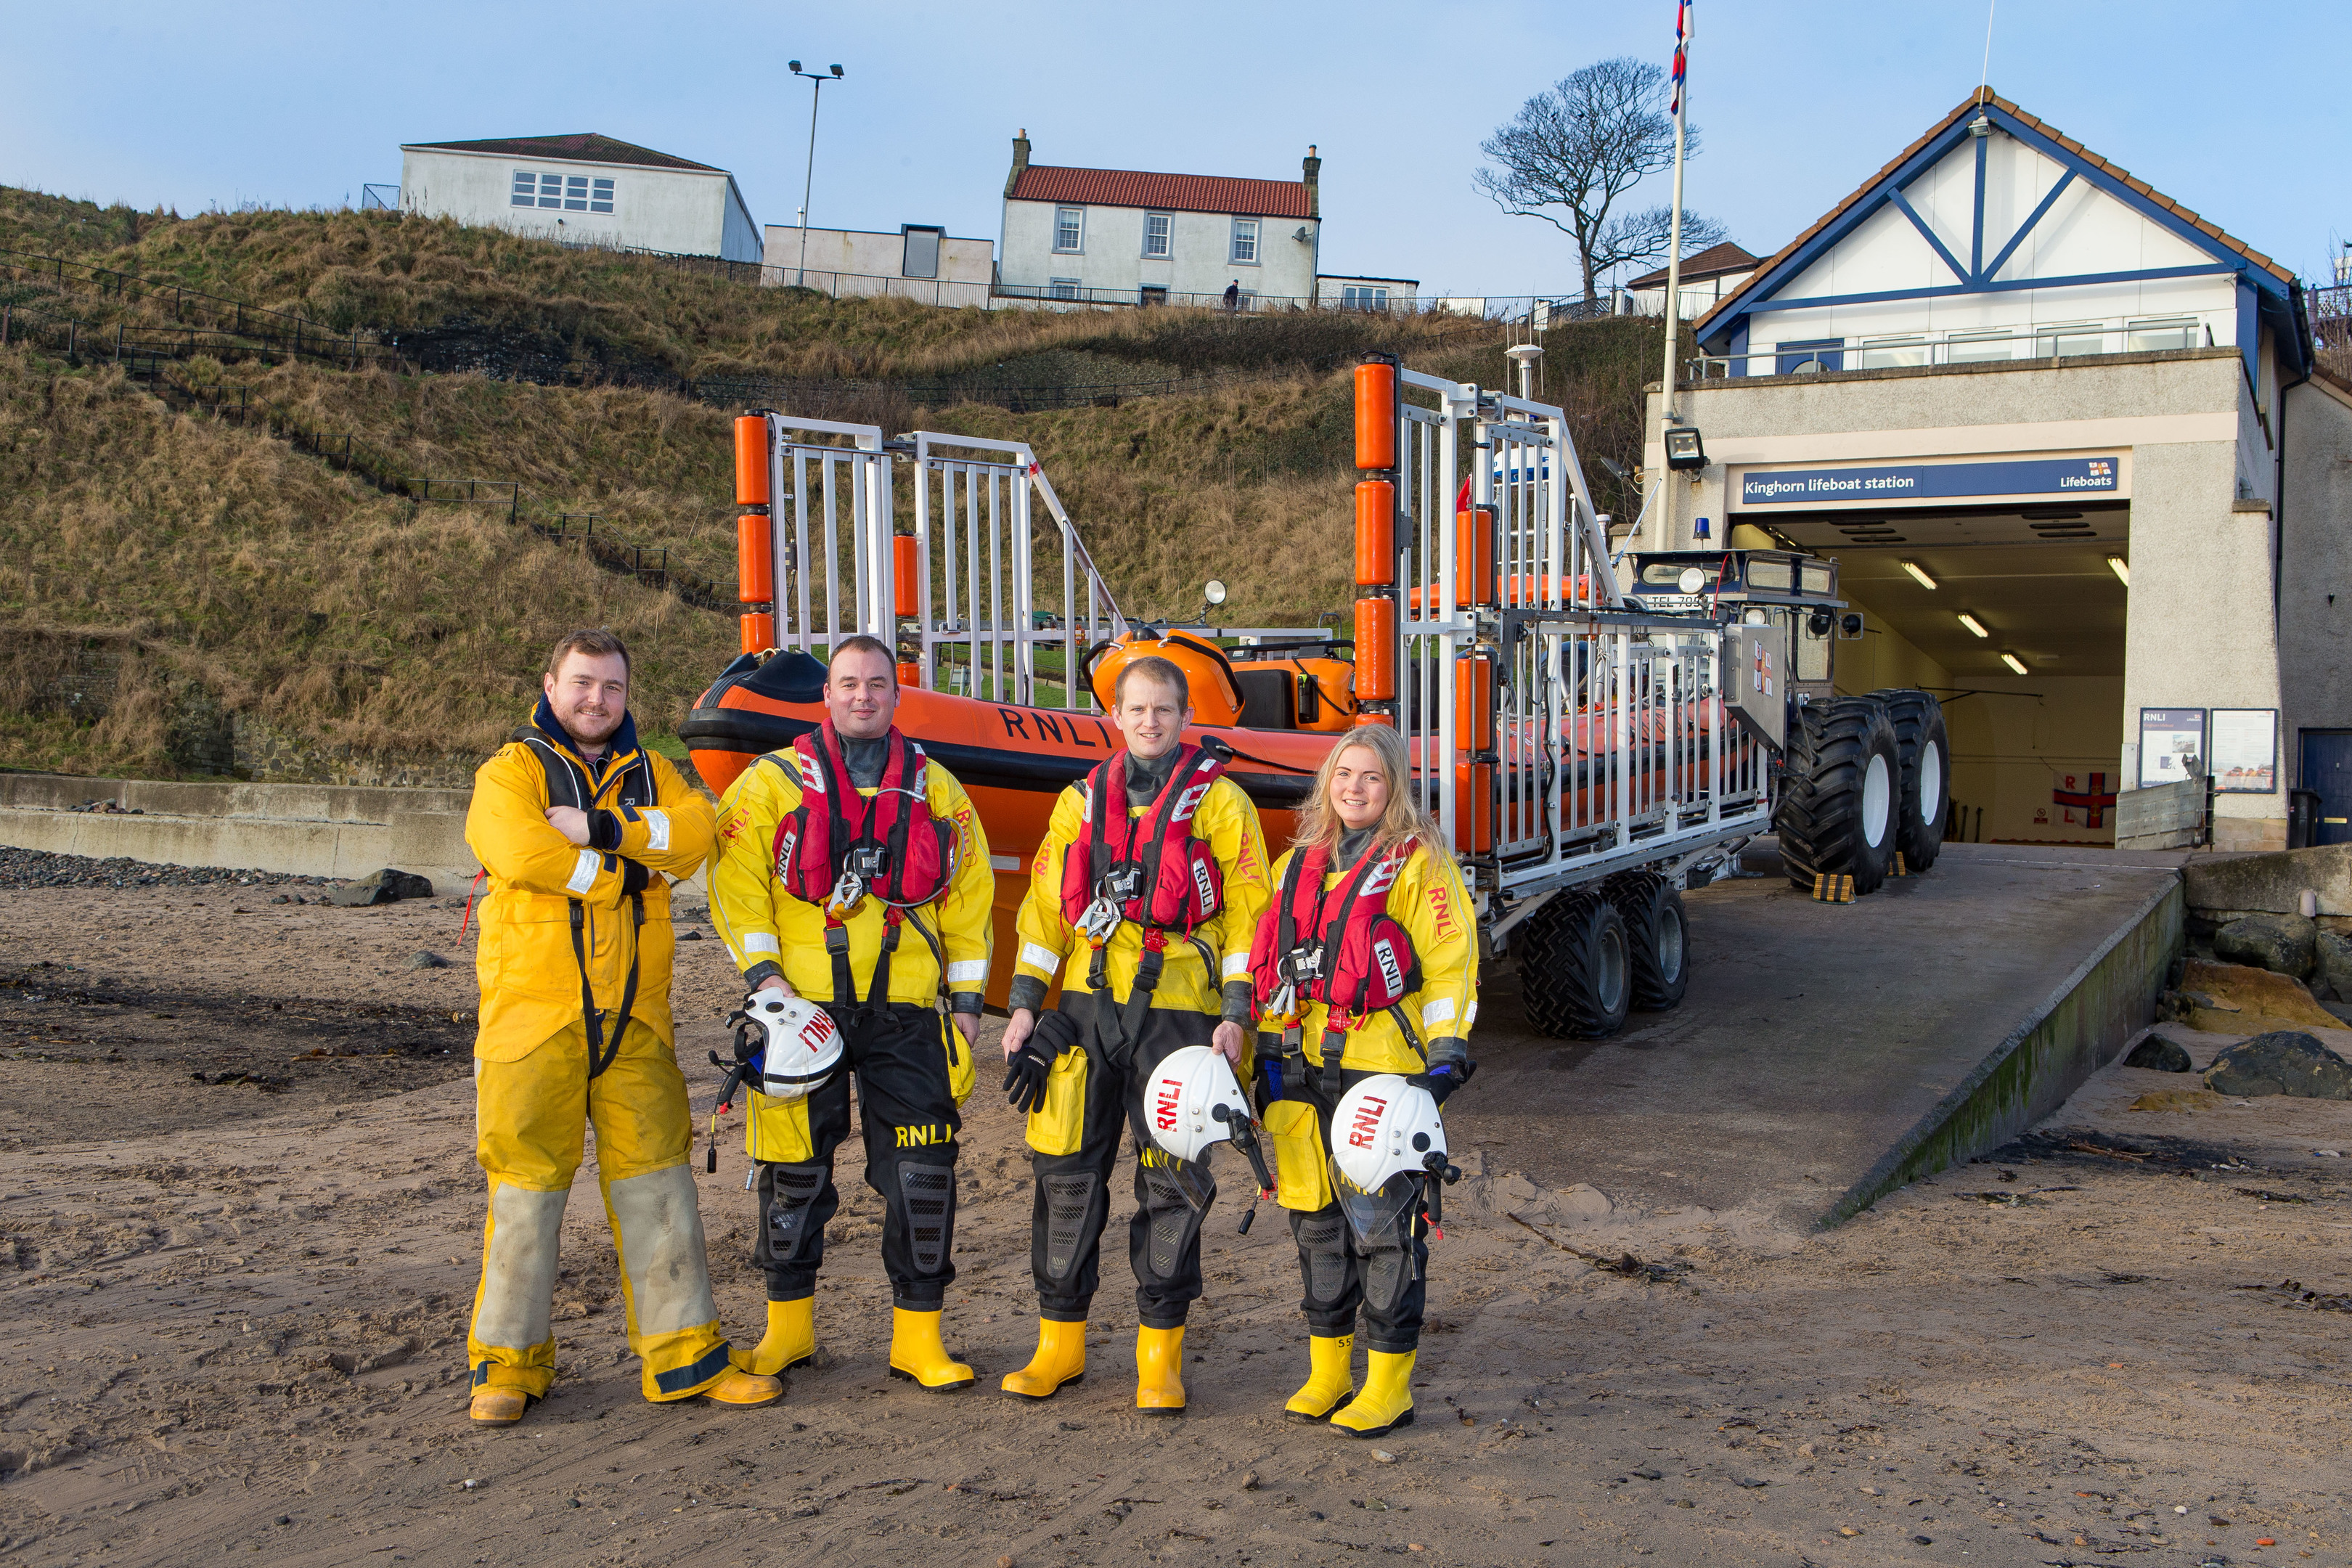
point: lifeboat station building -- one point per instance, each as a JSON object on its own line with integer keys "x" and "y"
{"x": 2082, "y": 478}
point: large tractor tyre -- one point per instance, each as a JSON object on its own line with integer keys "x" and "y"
{"x": 1657, "y": 938}
{"x": 1838, "y": 802}
{"x": 1575, "y": 971}
{"x": 1927, "y": 757}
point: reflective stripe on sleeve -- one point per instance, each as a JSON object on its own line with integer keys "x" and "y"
{"x": 1438, "y": 1012}
{"x": 1236, "y": 965}
{"x": 1040, "y": 957}
{"x": 656, "y": 830}
{"x": 969, "y": 969}
{"x": 584, "y": 871}
{"x": 760, "y": 941}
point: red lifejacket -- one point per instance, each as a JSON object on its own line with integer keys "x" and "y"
{"x": 1150, "y": 868}
{"x": 1342, "y": 948}
{"x": 837, "y": 847}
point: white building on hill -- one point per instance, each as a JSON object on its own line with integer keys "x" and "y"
{"x": 1121, "y": 237}
{"x": 914, "y": 261}
{"x": 585, "y": 189}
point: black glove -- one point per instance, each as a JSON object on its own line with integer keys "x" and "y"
{"x": 1439, "y": 1083}
{"x": 1449, "y": 1068}
{"x": 1025, "y": 1071}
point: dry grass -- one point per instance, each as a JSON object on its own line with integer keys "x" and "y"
{"x": 237, "y": 567}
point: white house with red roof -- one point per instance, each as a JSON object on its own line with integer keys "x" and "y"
{"x": 1123, "y": 237}
{"x": 583, "y": 189}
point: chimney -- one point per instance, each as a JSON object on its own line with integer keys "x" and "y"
{"x": 1020, "y": 161}
{"x": 1314, "y": 169}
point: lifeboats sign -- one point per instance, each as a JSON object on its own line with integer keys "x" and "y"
{"x": 1879, "y": 483}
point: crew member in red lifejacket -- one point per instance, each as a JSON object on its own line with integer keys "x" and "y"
{"x": 1365, "y": 962}
{"x": 852, "y": 870}
{"x": 1142, "y": 900}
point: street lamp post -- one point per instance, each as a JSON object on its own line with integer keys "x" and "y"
{"x": 808, "y": 180}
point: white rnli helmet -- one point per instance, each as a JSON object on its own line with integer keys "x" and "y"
{"x": 803, "y": 1044}
{"x": 1183, "y": 1101}
{"x": 1383, "y": 1127}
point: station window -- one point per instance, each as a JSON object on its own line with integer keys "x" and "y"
{"x": 1880, "y": 353}
{"x": 2167, "y": 333}
{"x": 1979, "y": 348}
{"x": 564, "y": 192}
{"x": 1244, "y": 242}
{"x": 1158, "y": 232}
{"x": 2069, "y": 337}
{"x": 1069, "y": 229}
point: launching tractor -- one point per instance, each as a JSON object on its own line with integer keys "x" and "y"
{"x": 1591, "y": 745}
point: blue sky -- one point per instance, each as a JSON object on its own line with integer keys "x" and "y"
{"x": 2231, "y": 109}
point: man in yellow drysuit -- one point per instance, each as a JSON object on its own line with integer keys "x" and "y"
{"x": 853, "y": 871}
{"x": 580, "y": 829}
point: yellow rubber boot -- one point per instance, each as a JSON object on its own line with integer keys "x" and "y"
{"x": 744, "y": 1390}
{"x": 918, "y": 1356}
{"x": 1061, "y": 1360}
{"x": 1386, "y": 1402}
{"x": 494, "y": 1406}
{"x": 1330, "y": 1383}
{"x": 791, "y": 1338}
{"x": 1159, "y": 1371}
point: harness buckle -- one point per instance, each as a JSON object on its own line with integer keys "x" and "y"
{"x": 1100, "y": 920}
{"x": 845, "y": 894}
{"x": 1305, "y": 964}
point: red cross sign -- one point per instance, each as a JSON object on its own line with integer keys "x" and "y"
{"x": 2092, "y": 803}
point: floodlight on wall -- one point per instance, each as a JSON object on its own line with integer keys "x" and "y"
{"x": 1684, "y": 449}
{"x": 2121, "y": 568}
{"x": 1918, "y": 574}
{"x": 1973, "y": 624}
{"x": 2016, "y": 665}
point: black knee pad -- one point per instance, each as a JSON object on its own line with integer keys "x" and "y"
{"x": 792, "y": 1188}
{"x": 1388, "y": 1274}
{"x": 1323, "y": 1243}
{"x": 1175, "y": 1217}
{"x": 1067, "y": 1199}
{"x": 929, "y": 1193}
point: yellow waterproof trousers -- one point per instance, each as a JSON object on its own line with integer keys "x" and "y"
{"x": 529, "y": 1120}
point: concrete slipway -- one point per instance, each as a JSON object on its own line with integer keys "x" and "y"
{"x": 1825, "y": 1055}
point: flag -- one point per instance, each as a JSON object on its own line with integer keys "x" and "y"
{"x": 1682, "y": 48}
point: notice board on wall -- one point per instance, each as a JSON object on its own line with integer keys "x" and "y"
{"x": 2244, "y": 751}
{"x": 2171, "y": 745}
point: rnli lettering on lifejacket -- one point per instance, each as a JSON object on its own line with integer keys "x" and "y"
{"x": 1368, "y": 1122}
{"x": 1164, "y": 1096}
{"x": 1391, "y": 972}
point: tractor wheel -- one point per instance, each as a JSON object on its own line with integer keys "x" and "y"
{"x": 1927, "y": 757}
{"x": 1657, "y": 938}
{"x": 1838, "y": 802}
{"x": 1575, "y": 973}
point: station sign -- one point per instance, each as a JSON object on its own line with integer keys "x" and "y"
{"x": 1882, "y": 484}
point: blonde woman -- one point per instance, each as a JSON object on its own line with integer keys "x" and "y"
{"x": 1369, "y": 862}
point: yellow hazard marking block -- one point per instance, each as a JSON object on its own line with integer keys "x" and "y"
{"x": 1898, "y": 868}
{"x": 1833, "y": 890}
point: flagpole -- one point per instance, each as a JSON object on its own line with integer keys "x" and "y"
{"x": 1673, "y": 256}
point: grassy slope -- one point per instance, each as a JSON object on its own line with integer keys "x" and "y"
{"x": 308, "y": 599}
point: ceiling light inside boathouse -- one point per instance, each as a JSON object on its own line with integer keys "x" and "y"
{"x": 1973, "y": 624}
{"x": 1918, "y": 574}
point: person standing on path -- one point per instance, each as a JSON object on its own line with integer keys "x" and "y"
{"x": 1368, "y": 901}
{"x": 581, "y": 831}
{"x": 1149, "y": 881}
{"x": 853, "y": 872}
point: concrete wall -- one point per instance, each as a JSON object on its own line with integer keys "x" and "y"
{"x": 869, "y": 261}
{"x": 2316, "y": 567}
{"x": 1200, "y": 246}
{"x": 657, "y": 209}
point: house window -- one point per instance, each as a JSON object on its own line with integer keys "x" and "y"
{"x": 1157, "y": 228}
{"x": 1979, "y": 348}
{"x": 1353, "y": 297}
{"x": 1244, "y": 242}
{"x": 2170, "y": 332}
{"x": 526, "y": 189}
{"x": 1808, "y": 358}
{"x": 922, "y": 252}
{"x": 1069, "y": 229}
{"x": 1884, "y": 353}
{"x": 575, "y": 193}
{"x": 1063, "y": 288}
{"x": 600, "y": 196}
{"x": 1153, "y": 294}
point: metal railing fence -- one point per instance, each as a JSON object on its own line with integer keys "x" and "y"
{"x": 2055, "y": 340}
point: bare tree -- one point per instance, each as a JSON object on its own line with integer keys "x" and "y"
{"x": 1581, "y": 144}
